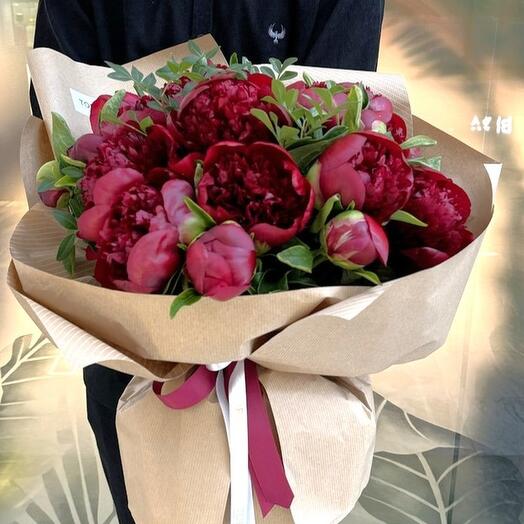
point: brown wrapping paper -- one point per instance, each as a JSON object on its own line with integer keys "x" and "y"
{"x": 325, "y": 425}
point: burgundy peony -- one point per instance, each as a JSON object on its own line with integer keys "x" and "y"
{"x": 445, "y": 208}
{"x": 133, "y": 108}
{"x": 136, "y": 246}
{"x": 221, "y": 262}
{"x": 51, "y": 197}
{"x": 156, "y": 155}
{"x": 259, "y": 186}
{"x": 367, "y": 168}
{"x": 86, "y": 147}
{"x": 353, "y": 240}
{"x": 220, "y": 109}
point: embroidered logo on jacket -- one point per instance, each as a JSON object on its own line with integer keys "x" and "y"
{"x": 276, "y": 35}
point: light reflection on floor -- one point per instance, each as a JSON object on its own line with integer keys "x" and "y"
{"x": 460, "y": 411}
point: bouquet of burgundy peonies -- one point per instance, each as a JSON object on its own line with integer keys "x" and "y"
{"x": 296, "y": 206}
{"x": 224, "y": 181}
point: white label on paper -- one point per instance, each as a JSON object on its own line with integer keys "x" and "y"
{"x": 81, "y": 102}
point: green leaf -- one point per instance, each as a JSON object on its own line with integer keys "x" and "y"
{"x": 186, "y": 298}
{"x": 66, "y": 247}
{"x": 307, "y": 79}
{"x": 308, "y": 153}
{"x": 279, "y": 90}
{"x": 268, "y": 71}
{"x": 136, "y": 75}
{"x": 119, "y": 72}
{"x": 110, "y": 109}
{"x": 264, "y": 118}
{"x": 434, "y": 162}
{"x": 276, "y": 63}
{"x": 207, "y": 220}
{"x": 73, "y": 172}
{"x": 146, "y": 123}
{"x": 62, "y": 139}
{"x": 72, "y": 162}
{"x": 288, "y": 75}
{"x": 233, "y": 59}
{"x": 287, "y": 136}
{"x": 47, "y": 175}
{"x": 408, "y": 218}
{"x": 368, "y": 275}
{"x": 199, "y": 172}
{"x": 354, "y": 110}
{"x": 194, "y": 48}
{"x": 418, "y": 141}
{"x": 65, "y": 219}
{"x": 298, "y": 257}
{"x": 66, "y": 181}
{"x": 324, "y": 213}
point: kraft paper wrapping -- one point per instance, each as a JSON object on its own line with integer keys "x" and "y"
{"x": 176, "y": 462}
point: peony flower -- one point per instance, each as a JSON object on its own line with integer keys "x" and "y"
{"x": 133, "y": 108}
{"x": 221, "y": 262}
{"x": 444, "y": 207}
{"x": 220, "y": 109}
{"x": 353, "y": 240}
{"x": 151, "y": 262}
{"x": 187, "y": 223}
{"x": 125, "y": 211}
{"x": 155, "y": 155}
{"x": 86, "y": 147}
{"x": 366, "y": 168}
{"x": 51, "y": 197}
{"x": 259, "y": 186}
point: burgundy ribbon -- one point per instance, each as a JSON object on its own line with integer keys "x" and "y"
{"x": 265, "y": 464}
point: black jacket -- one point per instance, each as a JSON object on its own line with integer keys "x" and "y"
{"x": 332, "y": 33}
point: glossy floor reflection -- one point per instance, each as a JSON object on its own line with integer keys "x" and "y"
{"x": 450, "y": 445}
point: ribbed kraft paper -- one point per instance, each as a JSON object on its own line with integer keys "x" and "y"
{"x": 176, "y": 462}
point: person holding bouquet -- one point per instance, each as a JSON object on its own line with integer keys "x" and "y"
{"x": 329, "y": 33}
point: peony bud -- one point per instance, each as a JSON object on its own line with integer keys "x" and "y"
{"x": 51, "y": 197}
{"x": 153, "y": 260}
{"x": 221, "y": 262}
{"x": 188, "y": 224}
{"x": 85, "y": 148}
{"x": 353, "y": 240}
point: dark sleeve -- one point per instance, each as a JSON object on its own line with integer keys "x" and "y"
{"x": 346, "y": 34}
{"x": 66, "y": 26}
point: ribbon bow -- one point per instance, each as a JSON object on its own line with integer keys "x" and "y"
{"x": 253, "y": 452}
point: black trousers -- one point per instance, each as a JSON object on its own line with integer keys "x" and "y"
{"x": 103, "y": 389}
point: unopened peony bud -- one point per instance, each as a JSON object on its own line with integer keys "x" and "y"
{"x": 221, "y": 262}
{"x": 353, "y": 240}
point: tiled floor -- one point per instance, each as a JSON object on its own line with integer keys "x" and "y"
{"x": 450, "y": 447}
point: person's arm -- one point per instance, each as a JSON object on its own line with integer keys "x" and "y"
{"x": 66, "y": 26}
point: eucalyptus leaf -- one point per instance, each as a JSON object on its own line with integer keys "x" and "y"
{"x": 298, "y": 257}
{"x": 66, "y": 247}
{"x": 109, "y": 112}
{"x": 418, "y": 141}
{"x": 65, "y": 219}
{"x": 66, "y": 181}
{"x": 355, "y": 104}
{"x": 73, "y": 162}
{"x": 185, "y": 298}
{"x": 408, "y": 218}
{"x": 73, "y": 172}
{"x": 434, "y": 162}
{"x": 62, "y": 139}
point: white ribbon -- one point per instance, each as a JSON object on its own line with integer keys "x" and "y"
{"x": 234, "y": 413}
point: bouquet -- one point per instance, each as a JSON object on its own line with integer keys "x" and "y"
{"x": 297, "y": 214}
{"x": 224, "y": 180}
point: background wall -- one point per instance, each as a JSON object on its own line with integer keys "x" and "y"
{"x": 451, "y": 427}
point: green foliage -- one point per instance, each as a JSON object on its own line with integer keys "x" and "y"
{"x": 185, "y": 298}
